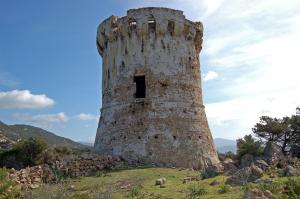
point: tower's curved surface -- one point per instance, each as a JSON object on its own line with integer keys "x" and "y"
{"x": 152, "y": 109}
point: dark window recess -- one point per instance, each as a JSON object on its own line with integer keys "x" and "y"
{"x": 171, "y": 26}
{"x": 132, "y": 25}
{"x": 140, "y": 86}
{"x": 151, "y": 25}
{"x": 108, "y": 74}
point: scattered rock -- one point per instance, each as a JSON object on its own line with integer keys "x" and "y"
{"x": 213, "y": 171}
{"x": 261, "y": 164}
{"x": 258, "y": 194}
{"x": 191, "y": 178}
{"x": 246, "y": 160}
{"x": 289, "y": 171}
{"x": 229, "y": 168}
{"x": 263, "y": 181}
{"x": 245, "y": 175}
{"x": 160, "y": 181}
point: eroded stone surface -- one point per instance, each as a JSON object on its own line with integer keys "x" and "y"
{"x": 168, "y": 127}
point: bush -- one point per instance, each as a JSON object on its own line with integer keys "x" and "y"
{"x": 249, "y": 145}
{"x": 7, "y": 187}
{"x": 134, "y": 192}
{"x": 224, "y": 189}
{"x": 224, "y": 156}
{"x": 273, "y": 187}
{"x": 23, "y": 154}
{"x": 292, "y": 188}
{"x": 195, "y": 191}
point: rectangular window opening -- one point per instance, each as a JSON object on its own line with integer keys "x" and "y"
{"x": 140, "y": 86}
{"x": 171, "y": 26}
{"x": 151, "y": 25}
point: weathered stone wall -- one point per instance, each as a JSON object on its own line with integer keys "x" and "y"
{"x": 169, "y": 126}
{"x": 82, "y": 165}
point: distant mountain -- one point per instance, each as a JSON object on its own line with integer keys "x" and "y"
{"x": 225, "y": 145}
{"x": 87, "y": 144}
{"x": 20, "y": 131}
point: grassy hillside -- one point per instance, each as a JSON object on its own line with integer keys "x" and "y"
{"x": 16, "y": 132}
{"x": 140, "y": 184}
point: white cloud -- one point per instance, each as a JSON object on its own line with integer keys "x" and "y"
{"x": 236, "y": 117}
{"x": 43, "y": 118}
{"x": 86, "y": 117}
{"x": 24, "y": 99}
{"x": 210, "y": 75}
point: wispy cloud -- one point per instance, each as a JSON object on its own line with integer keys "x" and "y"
{"x": 24, "y": 99}
{"x": 43, "y": 118}
{"x": 210, "y": 75}
{"x": 86, "y": 117}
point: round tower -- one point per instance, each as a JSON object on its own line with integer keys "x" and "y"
{"x": 152, "y": 109}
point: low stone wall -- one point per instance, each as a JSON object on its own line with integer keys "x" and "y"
{"x": 86, "y": 164}
{"x": 83, "y": 165}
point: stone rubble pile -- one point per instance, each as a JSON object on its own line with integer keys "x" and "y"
{"x": 32, "y": 177}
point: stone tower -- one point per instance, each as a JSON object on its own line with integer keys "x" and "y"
{"x": 152, "y": 109}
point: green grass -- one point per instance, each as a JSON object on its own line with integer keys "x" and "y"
{"x": 139, "y": 184}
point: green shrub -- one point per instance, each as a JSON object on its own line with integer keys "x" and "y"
{"x": 224, "y": 156}
{"x": 249, "y": 145}
{"x": 224, "y": 189}
{"x": 100, "y": 173}
{"x": 292, "y": 188}
{"x": 134, "y": 192}
{"x": 274, "y": 187}
{"x": 23, "y": 154}
{"x": 7, "y": 187}
{"x": 63, "y": 150}
{"x": 195, "y": 191}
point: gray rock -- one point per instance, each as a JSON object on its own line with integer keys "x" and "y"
{"x": 246, "y": 160}
{"x": 258, "y": 194}
{"x": 229, "y": 168}
{"x": 160, "y": 181}
{"x": 245, "y": 175}
{"x": 272, "y": 153}
{"x": 213, "y": 171}
{"x": 289, "y": 171}
{"x": 261, "y": 164}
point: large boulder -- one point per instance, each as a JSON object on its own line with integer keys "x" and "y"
{"x": 246, "y": 160}
{"x": 245, "y": 175}
{"x": 258, "y": 194}
{"x": 229, "y": 168}
{"x": 213, "y": 171}
{"x": 261, "y": 164}
{"x": 295, "y": 150}
{"x": 289, "y": 171}
{"x": 272, "y": 153}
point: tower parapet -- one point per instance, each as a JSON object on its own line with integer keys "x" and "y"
{"x": 152, "y": 109}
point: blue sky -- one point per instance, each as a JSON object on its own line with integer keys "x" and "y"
{"x": 50, "y": 69}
